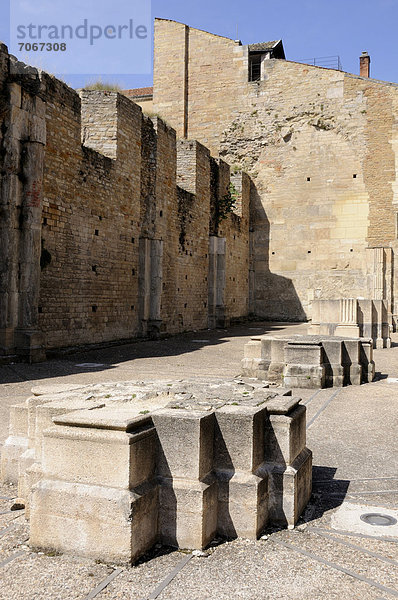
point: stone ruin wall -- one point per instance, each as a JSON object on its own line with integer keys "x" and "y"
{"x": 320, "y": 146}
{"x": 116, "y": 210}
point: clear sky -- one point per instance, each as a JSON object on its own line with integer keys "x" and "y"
{"x": 308, "y": 28}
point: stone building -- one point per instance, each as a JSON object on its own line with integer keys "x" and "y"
{"x": 321, "y": 148}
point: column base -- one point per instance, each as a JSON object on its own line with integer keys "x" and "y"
{"x": 188, "y": 512}
{"x": 108, "y": 524}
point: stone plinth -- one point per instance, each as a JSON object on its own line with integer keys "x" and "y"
{"x": 188, "y": 489}
{"x": 315, "y": 361}
{"x": 109, "y": 470}
{"x": 350, "y": 317}
{"x": 304, "y": 364}
{"x": 98, "y": 495}
{"x": 240, "y": 469}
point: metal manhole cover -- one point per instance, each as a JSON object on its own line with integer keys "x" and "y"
{"x": 378, "y": 520}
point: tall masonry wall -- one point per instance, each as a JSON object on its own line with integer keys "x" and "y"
{"x": 321, "y": 148}
{"x": 105, "y": 220}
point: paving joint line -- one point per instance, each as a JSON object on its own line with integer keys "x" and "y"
{"x": 325, "y": 405}
{"x": 170, "y": 577}
{"x": 103, "y": 584}
{"x": 385, "y": 559}
{"x": 306, "y": 402}
{"x": 8, "y": 512}
{"x": 355, "y": 534}
{"x": 337, "y": 567}
{"x": 11, "y": 558}
{"x": 329, "y": 481}
{"x": 7, "y": 529}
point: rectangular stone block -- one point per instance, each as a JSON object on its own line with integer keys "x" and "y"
{"x": 304, "y": 376}
{"x": 333, "y": 356}
{"x": 239, "y": 438}
{"x": 285, "y": 436}
{"x": 187, "y": 512}
{"x": 290, "y": 489}
{"x": 351, "y": 362}
{"x": 242, "y": 504}
{"x": 186, "y": 442}
{"x": 239, "y": 454}
{"x": 111, "y": 525}
{"x": 303, "y": 353}
{"x": 111, "y": 458}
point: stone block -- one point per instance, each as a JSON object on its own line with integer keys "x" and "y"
{"x": 366, "y": 360}
{"x": 242, "y": 504}
{"x": 303, "y": 352}
{"x": 187, "y": 511}
{"x": 186, "y": 441}
{"x": 11, "y": 452}
{"x": 290, "y": 489}
{"x": 188, "y": 490}
{"x": 112, "y": 458}
{"x": 112, "y": 525}
{"x": 304, "y": 376}
{"x": 351, "y": 362}
{"x": 239, "y": 438}
{"x": 285, "y": 436}
{"x": 238, "y": 457}
{"x": 333, "y": 355}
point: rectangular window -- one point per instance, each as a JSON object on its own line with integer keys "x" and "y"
{"x": 254, "y": 67}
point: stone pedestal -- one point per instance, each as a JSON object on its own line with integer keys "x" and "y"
{"x": 289, "y": 462}
{"x": 366, "y": 360}
{"x": 351, "y": 362}
{"x": 304, "y": 364}
{"x": 98, "y": 496}
{"x": 334, "y": 370}
{"x": 188, "y": 489}
{"x": 239, "y": 465}
{"x": 169, "y": 462}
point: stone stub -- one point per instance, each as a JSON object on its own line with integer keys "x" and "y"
{"x": 121, "y": 467}
{"x": 351, "y": 317}
{"x": 312, "y": 361}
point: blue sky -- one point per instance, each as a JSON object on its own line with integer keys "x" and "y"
{"x": 308, "y": 28}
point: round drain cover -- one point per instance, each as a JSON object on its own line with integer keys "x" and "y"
{"x": 377, "y": 519}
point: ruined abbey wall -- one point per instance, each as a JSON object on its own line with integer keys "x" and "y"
{"x": 106, "y": 229}
{"x": 320, "y": 146}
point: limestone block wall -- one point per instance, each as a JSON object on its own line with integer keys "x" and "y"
{"x": 90, "y": 229}
{"x": 320, "y": 146}
{"x": 105, "y": 220}
{"x": 237, "y": 249}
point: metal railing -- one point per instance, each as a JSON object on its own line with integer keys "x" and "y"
{"x": 328, "y": 62}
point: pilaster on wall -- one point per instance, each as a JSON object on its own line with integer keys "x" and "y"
{"x": 166, "y": 222}
{"x": 21, "y": 195}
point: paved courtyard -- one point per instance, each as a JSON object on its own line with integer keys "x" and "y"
{"x": 331, "y": 554}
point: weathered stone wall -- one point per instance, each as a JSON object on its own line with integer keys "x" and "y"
{"x": 320, "y": 146}
{"x": 99, "y": 242}
{"x": 89, "y": 288}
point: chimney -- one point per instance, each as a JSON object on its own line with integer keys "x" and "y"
{"x": 364, "y": 65}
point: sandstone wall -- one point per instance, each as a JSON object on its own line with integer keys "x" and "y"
{"x": 320, "y": 146}
{"x": 106, "y": 220}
